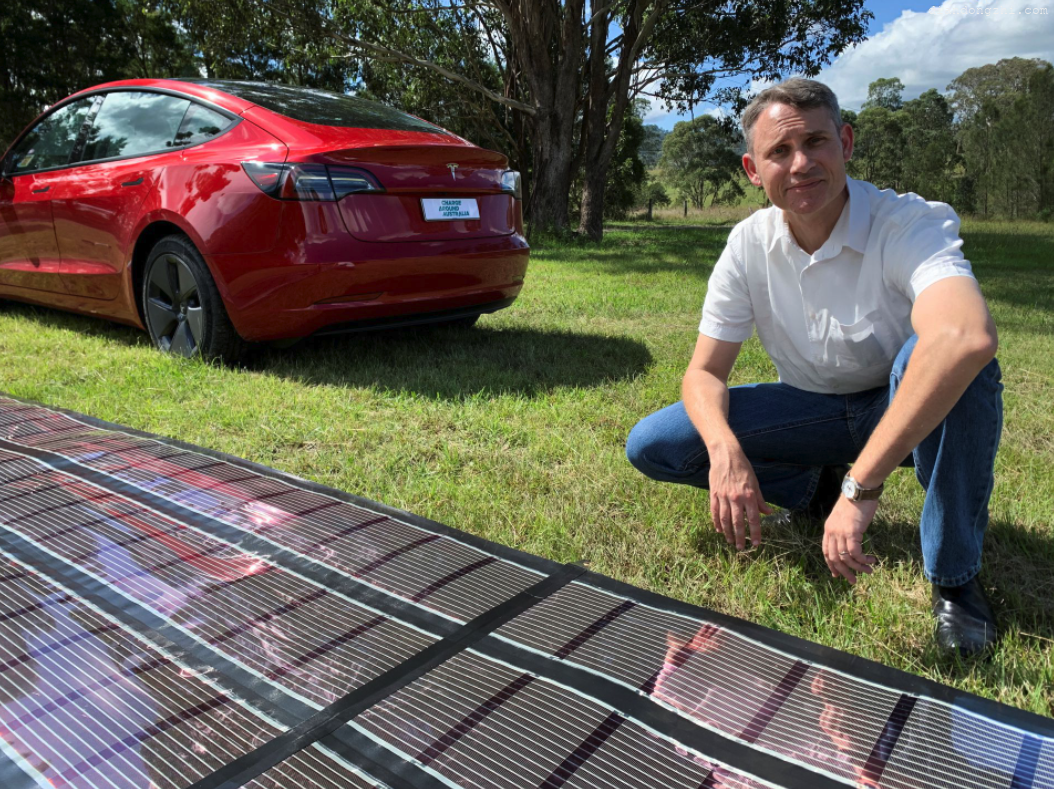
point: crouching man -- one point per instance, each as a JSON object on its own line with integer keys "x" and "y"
{"x": 886, "y": 356}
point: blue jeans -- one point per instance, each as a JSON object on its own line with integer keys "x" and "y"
{"x": 789, "y": 434}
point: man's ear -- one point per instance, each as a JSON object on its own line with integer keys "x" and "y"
{"x": 846, "y": 136}
{"x": 752, "y": 171}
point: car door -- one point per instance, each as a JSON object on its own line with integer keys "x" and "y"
{"x": 132, "y": 138}
{"x": 29, "y": 252}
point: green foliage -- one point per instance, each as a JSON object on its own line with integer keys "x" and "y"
{"x": 651, "y": 147}
{"x": 627, "y": 172}
{"x": 886, "y": 93}
{"x": 700, "y": 160}
{"x": 1005, "y": 125}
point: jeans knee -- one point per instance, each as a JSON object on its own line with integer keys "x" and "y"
{"x": 665, "y": 447}
{"x": 640, "y": 438}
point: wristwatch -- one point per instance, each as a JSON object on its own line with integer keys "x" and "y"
{"x": 853, "y": 491}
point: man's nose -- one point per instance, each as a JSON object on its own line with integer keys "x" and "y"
{"x": 800, "y": 162}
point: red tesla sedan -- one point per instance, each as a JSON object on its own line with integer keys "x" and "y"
{"x": 214, "y": 213}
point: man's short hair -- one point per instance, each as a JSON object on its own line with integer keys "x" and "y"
{"x": 797, "y": 92}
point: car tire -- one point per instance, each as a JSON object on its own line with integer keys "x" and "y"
{"x": 182, "y": 308}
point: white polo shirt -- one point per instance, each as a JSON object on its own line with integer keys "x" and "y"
{"x": 835, "y": 320}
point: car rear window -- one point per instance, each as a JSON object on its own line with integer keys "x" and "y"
{"x": 321, "y": 106}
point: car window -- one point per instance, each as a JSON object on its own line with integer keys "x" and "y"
{"x": 201, "y": 124}
{"x": 133, "y": 122}
{"x": 321, "y": 106}
{"x": 50, "y": 142}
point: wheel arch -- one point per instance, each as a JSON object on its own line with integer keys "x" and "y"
{"x": 155, "y": 229}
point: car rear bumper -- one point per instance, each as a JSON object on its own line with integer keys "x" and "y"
{"x": 311, "y": 286}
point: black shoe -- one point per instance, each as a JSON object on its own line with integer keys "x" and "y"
{"x": 965, "y": 621}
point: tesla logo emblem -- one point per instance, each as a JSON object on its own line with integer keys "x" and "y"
{"x": 453, "y": 170}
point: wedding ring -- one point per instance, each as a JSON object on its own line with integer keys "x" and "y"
{"x": 843, "y": 553}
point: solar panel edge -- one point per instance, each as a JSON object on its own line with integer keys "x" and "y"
{"x": 529, "y": 561}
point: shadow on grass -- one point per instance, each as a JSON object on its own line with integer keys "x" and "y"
{"x": 436, "y": 361}
{"x": 450, "y": 362}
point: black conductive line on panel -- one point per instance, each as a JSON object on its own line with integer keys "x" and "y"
{"x": 774, "y": 702}
{"x": 328, "y": 720}
{"x": 887, "y": 740}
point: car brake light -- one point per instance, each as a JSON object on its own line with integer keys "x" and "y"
{"x": 309, "y": 181}
{"x": 510, "y": 182}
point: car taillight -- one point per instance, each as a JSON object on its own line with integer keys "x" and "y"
{"x": 309, "y": 181}
{"x": 510, "y": 182}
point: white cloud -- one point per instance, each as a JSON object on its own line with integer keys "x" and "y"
{"x": 930, "y": 49}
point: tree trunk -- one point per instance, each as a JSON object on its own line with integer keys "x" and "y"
{"x": 536, "y": 29}
{"x": 602, "y": 133}
{"x": 547, "y": 205}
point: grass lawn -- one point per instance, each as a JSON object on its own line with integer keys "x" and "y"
{"x": 514, "y": 431}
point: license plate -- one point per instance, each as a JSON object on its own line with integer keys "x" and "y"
{"x": 447, "y": 210}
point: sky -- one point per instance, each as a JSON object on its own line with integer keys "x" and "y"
{"x": 927, "y": 46}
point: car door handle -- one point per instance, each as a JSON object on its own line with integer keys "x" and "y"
{"x": 41, "y": 189}
{"x": 136, "y": 182}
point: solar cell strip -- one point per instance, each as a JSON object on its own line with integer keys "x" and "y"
{"x": 267, "y": 616}
{"x": 147, "y": 733}
{"x": 1027, "y": 759}
{"x": 473, "y": 719}
{"x": 329, "y": 646}
{"x": 593, "y": 629}
{"x": 590, "y": 745}
{"x": 84, "y": 692}
{"x": 435, "y": 586}
{"x": 330, "y": 538}
{"x": 35, "y": 607}
{"x": 774, "y": 702}
{"x": 341, "y": 711}
{"x": 680, "y": 657}
{"x": 887, "y": 741}
{"x": 54, "y": 646}
{"x": 383, "y": 560}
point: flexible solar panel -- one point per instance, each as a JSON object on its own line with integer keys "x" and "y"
{"x": 173, "y": 618}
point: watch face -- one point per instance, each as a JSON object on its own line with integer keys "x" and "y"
{"x": 849, "y": 488}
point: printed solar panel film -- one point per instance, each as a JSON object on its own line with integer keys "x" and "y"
{"x": 482, "y": 724}
{"x": 300, "y": 635}
{"x": 170, "y": 617}
{"x": 836, "y": 723}
{"x": 86, "y": 703}
{"x": 439, "y": 573}
{"x": 314, "y": 768}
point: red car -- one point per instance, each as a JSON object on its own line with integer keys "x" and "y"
{"x": 214, "y": 213}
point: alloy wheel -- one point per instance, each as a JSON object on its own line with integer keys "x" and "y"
{"x": 173, "y": 306}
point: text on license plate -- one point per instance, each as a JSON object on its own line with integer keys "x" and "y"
{"x": 445, "y": 210}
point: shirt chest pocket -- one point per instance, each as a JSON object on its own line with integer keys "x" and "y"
{"x": 857, "y": 345}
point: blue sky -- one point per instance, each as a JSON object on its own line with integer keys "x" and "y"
{"x": 928, "y": 44}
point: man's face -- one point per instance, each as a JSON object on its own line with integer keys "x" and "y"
{"x": 799, "y": 157}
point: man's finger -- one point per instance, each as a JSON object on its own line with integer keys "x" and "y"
{"x": 754, "y": 519}
{"x": 739, "y": 521}
{"x": 715, "y": 513}
{"x": 852, "y": 554}
{"x": 726, "y": 521}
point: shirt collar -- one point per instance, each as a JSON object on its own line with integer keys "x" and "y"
{"x": 853, "y": 234}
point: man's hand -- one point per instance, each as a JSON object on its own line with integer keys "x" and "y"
{"x": 843, "y": 537}
{"x": 735, "y": 498}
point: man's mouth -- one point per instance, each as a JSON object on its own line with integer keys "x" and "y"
{"x": 805, "y": 185}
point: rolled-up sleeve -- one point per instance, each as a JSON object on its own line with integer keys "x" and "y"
{"x": 926, "y": 249}
{"x": 727, "y": 312}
